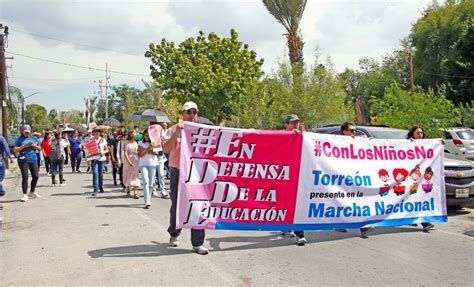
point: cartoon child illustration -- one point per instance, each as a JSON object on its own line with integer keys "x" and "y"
{"x": 383, "y": 175}
{"x": 415, "y": 175}
{"x": 427, "y": 186}
{"x": 399, "y": 174}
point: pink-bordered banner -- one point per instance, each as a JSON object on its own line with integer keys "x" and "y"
{"x": 278, "y": 180}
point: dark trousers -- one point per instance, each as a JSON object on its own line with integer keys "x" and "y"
{"x": 197, "y": 235}
{"x": 66, "y": 160}
{"x": 115, "y": 170}
{"x": 76, "y": 158}
{"x": 57, "y": 166}
{"x": 120, "y": 171}
{"x": 33, "y": 168}
{"x": 47, "y": 163}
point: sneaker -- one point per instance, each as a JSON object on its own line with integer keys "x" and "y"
{"x": 366, "y": 230}
{"x": 147, "y": 205}
{"x": 200, "y": 250}
{"x": 155, "y": 194}
{"x": 53, "y": 184}
{"x": 24, "y": 198}
{"x": 62, "y": 184}
{"x": 165, "y": 195}
{"x": 428, "y": 226}
{"x": 78, "y": 171}
{"x": 94, "y": 194}
{"x": 287, "y": 234}
{"x": 101, "y": 190}
{"x": 33, "y": 195}
{"x": 174, "y": 241}
{"x": 301, "y": 241}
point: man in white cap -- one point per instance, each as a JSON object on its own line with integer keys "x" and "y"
{"x": 172, "y": 146}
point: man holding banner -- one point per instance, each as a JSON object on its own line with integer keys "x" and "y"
{"x": 292, "y": 123}
{"x": 172, "y": 146}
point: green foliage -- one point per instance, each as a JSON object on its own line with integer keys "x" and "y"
{"x": 400, "y": 110}
{"x": 53, "y": 118}
{"x": 444, "y": 43}
{"x": 317, "y": 99}
{"x": 72, "y": 117}
{"x": 374, "y": 76}
{"x": 211, "y": 71}
{"x": 36, "y": 116}
{"x": 467, "y": 112}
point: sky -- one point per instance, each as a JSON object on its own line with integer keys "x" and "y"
{"x": 92, "y": 33}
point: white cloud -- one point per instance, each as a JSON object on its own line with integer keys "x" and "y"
{"x": 344, "y": 30}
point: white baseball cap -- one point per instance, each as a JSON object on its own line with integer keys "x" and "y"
{"x": 189, "y": 105}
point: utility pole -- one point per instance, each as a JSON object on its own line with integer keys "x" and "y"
{"x": 105, "y": 85}
{"x": 412, "y": 81}
{"x": 3, "y": 37}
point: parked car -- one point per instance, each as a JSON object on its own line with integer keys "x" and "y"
{"x": 460, "y": 142}
{"x": 458, "y": 172}
{"x": 11, "y": 140}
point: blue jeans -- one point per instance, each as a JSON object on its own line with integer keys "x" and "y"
{"x": 97, "y": 175}
{"x": 197, "y": 235}
{"x": 160, "y": 177}
{"x": 2, "y": 176}
{"x": 148, "y": 176}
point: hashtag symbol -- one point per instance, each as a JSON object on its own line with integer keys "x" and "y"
{"x": 203, "y": 140}
{"x": 317, "y": 148}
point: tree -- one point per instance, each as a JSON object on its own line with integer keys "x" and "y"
{"x": 53, "y": 118}
{"x": 289, "y": 14}
{"x": 36, "y": 116}
{"x": 72, "y": 117}
{"x": 318, "y": 100}
{"x": 399, "y": 109}
{"x": 467, "y": 111}
{"x": 444, "y": 43}
{"x": 90, "y": 108}
{"x": 211, "y": 71}
{"x": 14, "y": 104}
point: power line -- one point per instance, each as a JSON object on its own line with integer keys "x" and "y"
{"x": 76, "y": 66}
{"x": 57, "y": 79}
{"x": 447, "y": 76}
{"x": 73, "y": 43}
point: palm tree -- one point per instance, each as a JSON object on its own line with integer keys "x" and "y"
{"x": 91, "y": 106}
{"x": 155, "y": 94}
{"x": 289, "y": 14}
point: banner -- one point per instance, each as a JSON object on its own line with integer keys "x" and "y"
{"x": 91, "y": 148}
{"x": 154, "y": 132}
{"x": 280, "y": 180}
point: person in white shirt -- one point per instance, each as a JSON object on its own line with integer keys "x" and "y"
{"x": 57, "y": 154}
{"x": 99, "y": 164}
{"x": 147, "y": 163}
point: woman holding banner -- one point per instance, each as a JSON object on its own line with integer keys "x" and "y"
{"x": 131, "y": 176}
{"x": 418, "y": 133}
{"x": 98, "y": 161}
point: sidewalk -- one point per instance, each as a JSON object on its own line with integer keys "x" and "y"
{"x": 11, "y": 184}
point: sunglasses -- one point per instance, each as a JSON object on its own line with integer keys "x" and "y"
{"x": 351, "y": 130}
{"x": 191, "y": 112}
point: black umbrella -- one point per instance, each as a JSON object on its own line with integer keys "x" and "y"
{"x": 150, "y": 115}
{"x": 111, "y": 122}
{"x": 204, "y": 121}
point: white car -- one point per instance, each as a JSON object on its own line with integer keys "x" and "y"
{"x": 460, "y": 142}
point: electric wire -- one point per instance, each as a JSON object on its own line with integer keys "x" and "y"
{"x": 74, "y": 43}
{"x": 74, "y": 65}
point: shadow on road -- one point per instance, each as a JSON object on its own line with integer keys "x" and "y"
{"x": 457, "y": 212}
{"x": 155, "y": 249}
{"x": 121, "y": 205}
{"x": 69, "y": 194}
{"x": 313, "y": 237}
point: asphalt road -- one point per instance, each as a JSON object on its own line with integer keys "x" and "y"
{"x": 69, "y": 238}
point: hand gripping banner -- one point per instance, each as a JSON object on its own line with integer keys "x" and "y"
{"x": 278, "y": 180}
